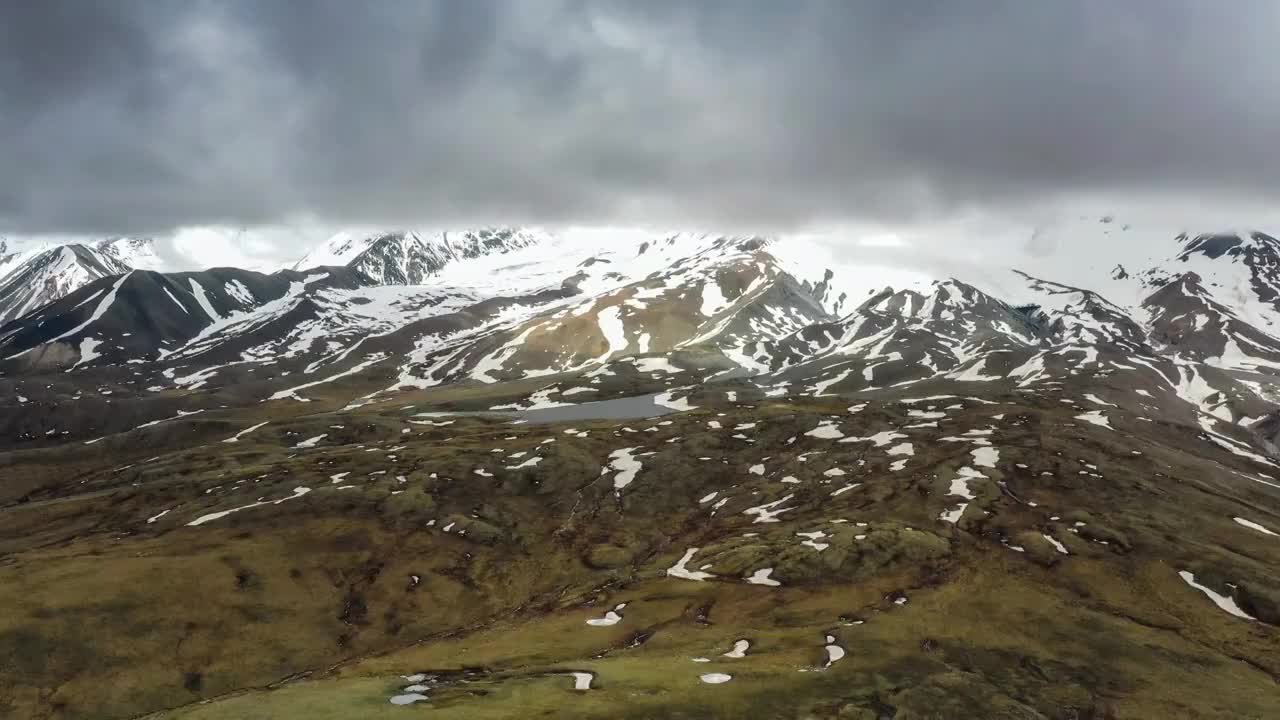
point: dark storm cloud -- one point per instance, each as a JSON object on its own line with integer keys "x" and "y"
{"x": 133, "y": 116}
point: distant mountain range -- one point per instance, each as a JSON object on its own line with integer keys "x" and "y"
{"x": 409, "y": 258}
{"x": 1196, "y": 336}
{"x": 35, "y": 274}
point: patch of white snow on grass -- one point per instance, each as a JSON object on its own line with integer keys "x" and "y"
{"x": 826, "y": 430}
{"x": 526, "y": 464}
{"x": 669, "y": 400}
{"x": 655, "y": 365}
{"x": 297, "y": 493}
{"x": 769, "y": 512}
{"x": 761, "y": 577}
{"x": 960, "y": 486}
{"x": 880, "y": 439}
{"x": 1253, "y": 526}
{"x": 834, "y": 651}
{"x": 181, "y": 414}
{"x": 1096, "y": 417}
{"x": 1226, "y": 603}
{"x": 625, "y": 465}
{"x": 615, "y": 333}
{"x": 310, "y": 442}
{"x": 242, "y": 433}
{"x": 679, "y": 570}
{"x": 610, "y": 618}
{"x": 812, "y": 539}
{"x": 985, "y": 456}
{"x": 1057, "y": 545}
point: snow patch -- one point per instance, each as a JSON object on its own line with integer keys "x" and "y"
{"x": 613, "y": 617}
{"x": 1096, "y": 417}
{"x": 1222, "y": 601}
{"x": 197, "y": 290}
{"x": 761, "y": 577}
{"x": 679, "y": 570}
{"x": 297, "y": 493}
{"x": 625, "y": 465}
{"x": 310, "y": 442}
{"x": 1253, "y": 526}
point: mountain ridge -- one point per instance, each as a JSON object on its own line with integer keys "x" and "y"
{"x": 547, "y": 307}
{"x": 34, "y": 276}
{"x": 408, "y": 257}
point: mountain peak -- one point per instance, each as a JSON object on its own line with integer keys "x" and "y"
{"x": 406, "y": 257}
{"x": 138, "y": 253}
{"x": 45, "y": 275}
{"x": 490, "y": 240}
{"x": 1232, "y": 244}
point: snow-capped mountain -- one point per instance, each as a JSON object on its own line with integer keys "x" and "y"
{"x": 135, "y": 253}
{"x": 1219, "y": 300}
{"x": 36, "y": 275}
{"x": 13, "y": 253}
{"x": 8, "y": 254}
{"x": 409, "y": 258}
{"x": 576, "y": 316}
{"x": 145, "y": 314}
{"x": 47, "y": 275}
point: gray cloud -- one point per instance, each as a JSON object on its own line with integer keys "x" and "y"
{"x": 136, "y": 116}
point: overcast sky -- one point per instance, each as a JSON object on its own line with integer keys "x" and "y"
{"x": 933, "y": 120}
